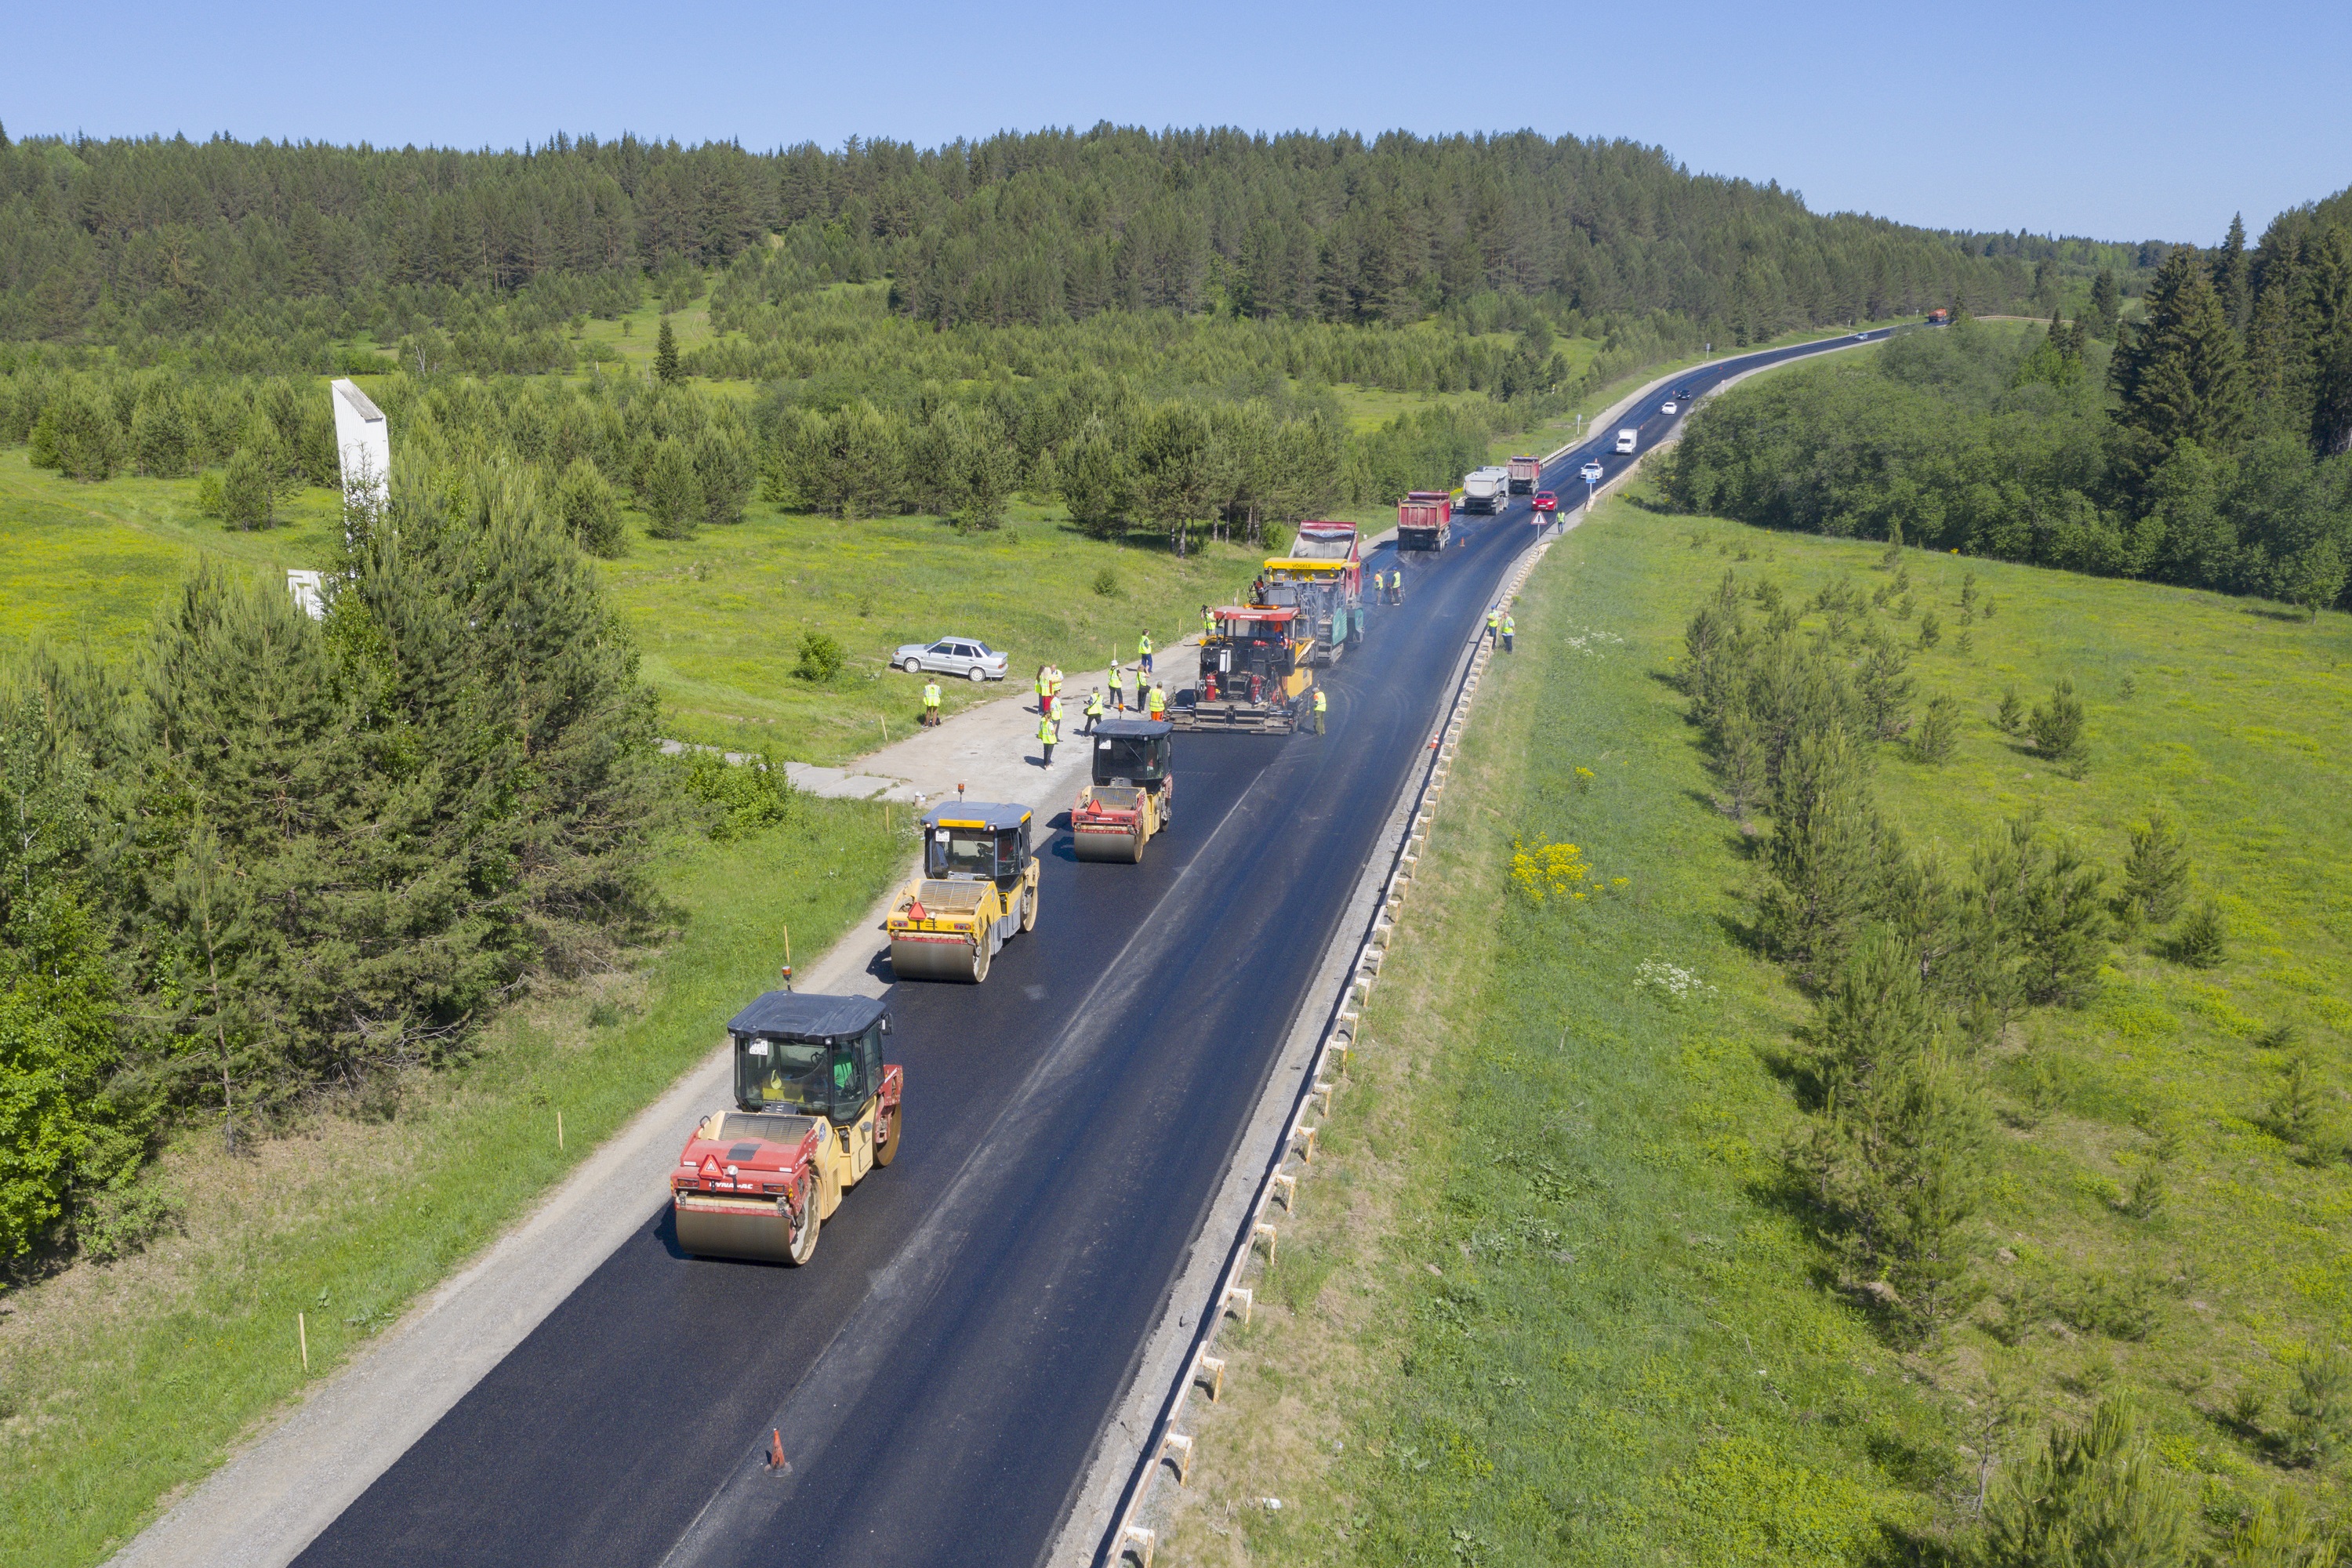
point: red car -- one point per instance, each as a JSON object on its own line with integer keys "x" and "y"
{"x": 1546, "y": 501}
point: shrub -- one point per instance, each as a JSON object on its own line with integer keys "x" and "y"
{"x": 2320, "y": 1408}
{"x": 2011, "y": 719}
{"x": 2156, "y": 872}
{"x": 821, "y": 657}
{"x": 1931, "y": 631}
{"x": 591, "y": 510}
{"x": 1107, "y": 583}
{"x": 673, "y": 491}
{"x": 1939, "y": 735}
{"x": 2057, "y": 726}
{"x": 249, "y": 493}
{"x": 746, "y": 799}
{"x": 2093, "y": 1495}
{"x": 2203, "y": 940}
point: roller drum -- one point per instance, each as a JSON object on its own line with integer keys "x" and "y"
{"x": 953, "y": 961}
{"x": 763, "y": 1232}
{"x": 1116, "y": 846}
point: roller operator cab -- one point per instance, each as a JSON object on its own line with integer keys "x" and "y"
{"x": 816, "y": 1110}
{"x": 1628, "y": 439}
{"x": 1133, "y": 793}
{"x": 977, "y": 888}
{"x": 1257, "y": 672}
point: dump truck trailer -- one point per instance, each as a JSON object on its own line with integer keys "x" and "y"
{"x": 1486, "y": 489}
{"x": 1133, "y": 793}
{"x": 1424, "y": 520}
{"x": 1322, "y": 577}
{"x": 816, "y": 1110}
{"x": 1526, "y": 473}
{"x": 1257, "y": 673}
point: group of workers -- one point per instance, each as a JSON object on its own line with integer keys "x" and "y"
{"x": 1388, "y": 587}
{"x": 1151, "y": 699}
{"x": 1498, "y": 627}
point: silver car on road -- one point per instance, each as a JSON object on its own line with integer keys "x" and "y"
{"x": 967, "y": 657}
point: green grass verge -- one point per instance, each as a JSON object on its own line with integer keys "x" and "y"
{"x": 1544, "y": 1300}
{"x": 119, "y": 1384}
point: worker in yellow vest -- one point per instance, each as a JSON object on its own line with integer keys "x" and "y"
{"x": 1053, "y": 706}
{"x": 1118, "y": 688}
{"x": 930, "y": 703}
{"x": 1208, "y": 622}
{"x": 1507, "y": 631}
{"x": 1143, "y": 652}
{"x": 1494, "y": 623}
{"x": 1046, "y": 735}
{"x": 1040, "y": 688}
{"x": 1158, "y": 709}
{"x": 1319, "y": 710}
{"x": 1094, "y": 709}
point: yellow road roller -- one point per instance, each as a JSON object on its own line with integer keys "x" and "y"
{"x": 1133, "y": 792}
{"x": 816, "y": 1109}
{"x": 978, "y": 886}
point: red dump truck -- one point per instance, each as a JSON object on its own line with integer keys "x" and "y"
{"x": 1525, "y": 474}
{"x": 1424, "y": 520}
{"x": 1939, "y": 317}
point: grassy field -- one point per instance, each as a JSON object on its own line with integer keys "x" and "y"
{"x": 119, "y": 1384}
{"x": 1546, "y": 1302}
{"x": 720, "y": 618}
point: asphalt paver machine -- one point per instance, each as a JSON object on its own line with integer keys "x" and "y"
{"x": 816, "y": 1110}
{"x": 1257, "y": 672}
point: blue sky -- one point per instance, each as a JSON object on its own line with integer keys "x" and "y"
{"x": 2119, "y": 121}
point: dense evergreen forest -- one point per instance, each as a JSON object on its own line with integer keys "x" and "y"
{"x": 2208, "y": 443}
{"x": 261, "y": 254}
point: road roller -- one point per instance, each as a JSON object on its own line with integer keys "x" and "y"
{"x": 978, "y": 886}
{"x": 1133, "y": 793}
{"x": 816, "y": 1108}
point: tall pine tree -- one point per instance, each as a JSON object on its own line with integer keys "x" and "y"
{"x": 2181, "y": 373}
{"x": 2233, "y": 274}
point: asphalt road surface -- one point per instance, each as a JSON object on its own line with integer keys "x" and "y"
{"x": 941, "y": 1368}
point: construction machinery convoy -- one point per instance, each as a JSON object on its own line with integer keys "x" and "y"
{"x": 1424, "y": 520}
{"x": 816, "y": 1109}
{"x": 1133, "y": 793}
{"x": 977, "y": 886}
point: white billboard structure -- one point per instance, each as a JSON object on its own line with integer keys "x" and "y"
{"x": 363, "y": 442}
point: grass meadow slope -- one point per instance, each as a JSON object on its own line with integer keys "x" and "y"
{"x": 1552, "y": 1296}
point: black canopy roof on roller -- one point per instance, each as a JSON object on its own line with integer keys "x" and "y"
{"x": 1134, "y": 729}
{"x": 803, "y": 1015}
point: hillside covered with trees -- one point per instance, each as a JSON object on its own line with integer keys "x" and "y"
{"x": 267, "y": 251}
{"x": 2204, "y": 443}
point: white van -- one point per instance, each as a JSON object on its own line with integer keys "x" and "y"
{"x": 1628, "y": 439}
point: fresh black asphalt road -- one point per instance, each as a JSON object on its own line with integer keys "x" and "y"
{"x": 940, "y": 1370}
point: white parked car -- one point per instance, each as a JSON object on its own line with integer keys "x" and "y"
{"x": 1591, "y": 471}
{"x": 967, "y": 657}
